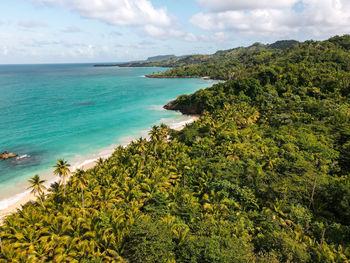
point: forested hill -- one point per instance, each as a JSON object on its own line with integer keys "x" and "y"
{"x": 228, "y": 57}
{"x": 230, "y": 64}
{"x": 263, "y": 176}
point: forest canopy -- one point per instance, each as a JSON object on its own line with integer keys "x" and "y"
{"x": 262, "y": 176}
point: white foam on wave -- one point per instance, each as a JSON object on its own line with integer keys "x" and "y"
{"x": 177, "y": 123}
{"x": 24, "y": 156}
{"x": 125, "y": 141}
{"x": 5, "y": 203}
{"x": 105, "y": 153}
{"x": 156, "y": 108}
{"x": 8, "y": 202}
{"x": 180, "y": 124}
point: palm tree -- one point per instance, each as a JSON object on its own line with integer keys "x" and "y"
{"x": 140, "y": 145}
{"x": 80, "y": 182}
{"x": 62, "y": 170}
{"x": 156, "y": 136}
{"x": 163, "y": 130}
{"x": 55, "y": 188}
{"x": 100, "y": 161}
{"x": 37, "y": 187}
{"x": 154, "y": 133}
{"x": 56, "y": 192}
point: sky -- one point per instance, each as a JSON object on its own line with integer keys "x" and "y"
{"x": 74, "y": 31}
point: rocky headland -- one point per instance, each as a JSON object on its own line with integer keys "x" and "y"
{"x": 186, "y": 109}
{"x": 7, "y": 155}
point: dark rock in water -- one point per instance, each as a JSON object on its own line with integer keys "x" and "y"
{"x": 6, "y": 155}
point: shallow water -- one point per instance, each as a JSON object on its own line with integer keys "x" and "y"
{"x": 76, "y": 111}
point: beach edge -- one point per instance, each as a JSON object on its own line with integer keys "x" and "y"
{"x": 84, "y": 165}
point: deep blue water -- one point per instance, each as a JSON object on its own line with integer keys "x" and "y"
{"x": 72, "y": 111}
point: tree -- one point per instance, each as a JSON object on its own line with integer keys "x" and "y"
{"x": 149, "y": 242}
{"x": 56, "y": 192}
{"x": 100, "y": 161}
{"x": 37, "y": 187}
{"x": 62, "y": 170}
{"x": 80, "y": 182}
{"x": 154, "y": 133}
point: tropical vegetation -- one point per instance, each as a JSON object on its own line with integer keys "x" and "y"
{"x": 262, "y": 176}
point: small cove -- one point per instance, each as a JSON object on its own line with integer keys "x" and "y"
{"x": 74, "y": 111}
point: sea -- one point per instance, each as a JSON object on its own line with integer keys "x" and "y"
{"x": 76, "y": 112}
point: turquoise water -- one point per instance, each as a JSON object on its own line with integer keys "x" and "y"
{"x": 74, "y": 111}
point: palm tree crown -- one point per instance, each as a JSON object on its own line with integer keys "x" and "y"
{"x": 62, "y": 170}
{"x": 37, "y": 187}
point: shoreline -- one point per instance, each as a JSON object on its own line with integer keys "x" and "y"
{"x": 155, "y": 76}
{"x": 86, "y": 164}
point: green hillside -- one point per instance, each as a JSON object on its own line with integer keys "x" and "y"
{"x": 222, "y": 65}
{"x": 263, "y": 176}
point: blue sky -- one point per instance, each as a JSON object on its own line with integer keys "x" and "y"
{"x": 65, "y": 31}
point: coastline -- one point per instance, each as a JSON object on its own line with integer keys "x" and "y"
{"x": 155, "y": 76}
{"x": 86, "y": 164}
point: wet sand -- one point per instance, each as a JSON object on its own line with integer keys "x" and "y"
{"x": 84, "y": 166}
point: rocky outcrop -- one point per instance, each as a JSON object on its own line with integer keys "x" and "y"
{"x": 6, "y": 155}
{"x": 183, "y": 108}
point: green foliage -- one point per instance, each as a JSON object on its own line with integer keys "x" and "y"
{"x": 148, "y": 241}
{"x": 262, "y": 176}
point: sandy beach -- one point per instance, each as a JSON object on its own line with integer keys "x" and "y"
{"x": 85, "y": 165}
{"x": 30, "y": 197}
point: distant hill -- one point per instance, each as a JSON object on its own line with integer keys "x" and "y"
{"x": 160, "y": 58}
{"x": 229, "y": 57}
{"x": 135, "y": 63}
{"x": 218, "y": 65}
{"x": 283, "y": 44}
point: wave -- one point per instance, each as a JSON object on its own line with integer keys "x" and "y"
{"x": 156, "y": 107}
{"x": 180, "y": 124}
{"x": 104, "y": 153}
{"x": 5, "y": 203}
{"x": 24, "y": 156}
{"x": 177, "y": 123}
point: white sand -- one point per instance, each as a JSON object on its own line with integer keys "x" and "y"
{"x": 30, "y": 197}
{"x": 85, "y": 165}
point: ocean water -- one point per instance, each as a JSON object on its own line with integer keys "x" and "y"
{"x": 76, "y": 112}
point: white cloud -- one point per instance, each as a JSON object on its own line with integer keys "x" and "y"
{"x": 70, "y": 44}
{"x": 155, "y": 31}
{"x": 105, "y": 50}
{"x": 164, "y": 34}
{"x": 85, "y": 51}
{"x": 115, "y": 33}
{"x": 224, "y": 5}
{"x": 39, "y": 43}
{"x": 189, "y": 37}
{"x": 216, "y": 37}
{"x": 254, "y": 22}
{"x": 327, "y": 16}
{"x": 31, "y": 23}
{"x": 4, "y": 51}
{"x": 116, "y": 12}
{"x": 71, "y": 29}
{"x": 321, "y": 18}
{"x": 154, "y": 22}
